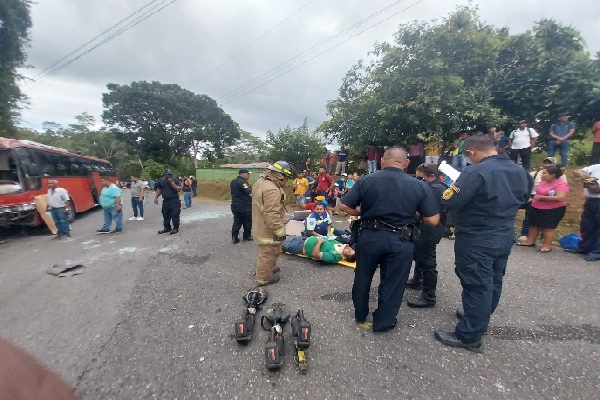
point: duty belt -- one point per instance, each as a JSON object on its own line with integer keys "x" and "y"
{"x": 408, "y": 232}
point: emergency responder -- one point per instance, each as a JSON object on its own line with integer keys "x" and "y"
{"x": 268, "y": 219}
{"x": 425, "y": 248}
{"x": 169, "y": 188}
{"x": 387, "y": 203}
{"x": 486, "y": 197}
{"x": 241, "y": 206}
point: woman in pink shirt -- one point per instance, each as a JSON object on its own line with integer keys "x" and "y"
{"x": 547, "y": 208}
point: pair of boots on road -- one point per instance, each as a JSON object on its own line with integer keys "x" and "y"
{"x": 426, "y": 280}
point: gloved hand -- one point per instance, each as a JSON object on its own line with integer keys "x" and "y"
{"x": 280, "y": 234}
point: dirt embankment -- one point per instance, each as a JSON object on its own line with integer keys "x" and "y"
{"x": 219, "y": 190}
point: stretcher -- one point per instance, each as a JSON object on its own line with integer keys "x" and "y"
{"x": 341, "y": 262}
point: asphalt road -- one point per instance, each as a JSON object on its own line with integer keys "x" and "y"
{"x": 152, "y": 317}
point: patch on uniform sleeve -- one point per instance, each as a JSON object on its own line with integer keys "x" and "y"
{"x": 448, "y": 193}
{"x": 245, "y": 186}
{"x": 454, "y": 188}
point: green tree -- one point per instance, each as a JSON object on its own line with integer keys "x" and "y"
{"x": 294, "y": 145}
{"x": 429, "y": 83}
{"x": 461, "y": 73}
{"x": 15, "y": 22}
{"x": 152, "y": 170}
{"x": 247, "y": 149}
{"x": 544, "y": 72}
{"x": 165, "y": 121}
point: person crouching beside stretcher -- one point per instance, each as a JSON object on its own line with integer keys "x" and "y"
{"x": 319, "y": 222}
{"x": 320, "y": 248}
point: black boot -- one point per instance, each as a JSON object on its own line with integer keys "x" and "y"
{"x": 426, "y": 298}
{"x": 417, "y": 280}
{"x": 235, "y": 239}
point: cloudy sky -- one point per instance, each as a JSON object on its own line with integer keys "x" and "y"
{"x": 189, "y": 41}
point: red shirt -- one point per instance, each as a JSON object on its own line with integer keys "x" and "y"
{"x": 324, "y": 182}
{"x": 333, "y": 158}
{"x": 596, "y": 129}
{"x": 372, "y": 155}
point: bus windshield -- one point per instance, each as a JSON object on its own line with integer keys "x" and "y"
{"x": 9, "y": 177}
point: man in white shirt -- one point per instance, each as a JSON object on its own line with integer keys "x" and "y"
{"x": 58, "y": 205}
{"x": 590, "y": 217}
{"x": 521, "y": 141}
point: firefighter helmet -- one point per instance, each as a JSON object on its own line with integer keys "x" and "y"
{"x": 282, "y": 167}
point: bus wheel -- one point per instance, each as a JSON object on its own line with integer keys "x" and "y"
{"x": 71, "y": 213}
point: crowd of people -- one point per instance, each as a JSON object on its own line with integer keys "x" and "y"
{"x": 479, "y": 207}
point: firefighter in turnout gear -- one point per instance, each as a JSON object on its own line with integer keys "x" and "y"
{"x": 268, "y": 219}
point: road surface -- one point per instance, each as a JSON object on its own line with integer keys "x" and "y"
{"x": 152, "y": 317}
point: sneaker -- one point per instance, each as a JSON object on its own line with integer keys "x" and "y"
{"x": 140, "y": 218}
{"x": 133, "y": 218}
{"x": 174, "y": 232}
{"x": 102, "y": 231}
{"x": 116, "y": 230}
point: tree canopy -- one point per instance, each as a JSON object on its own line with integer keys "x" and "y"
{"x": 294, "y": 145}
{"x": 164, "y": 121}
{"x": 15, "y": 22}
{"x": 461, "y": 73}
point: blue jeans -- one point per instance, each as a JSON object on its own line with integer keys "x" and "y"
{"x": 187, "y": 199}
{"x": 62, "y": 221}
{"x": 459, "y": 161}
{"x": 293, "y": 245}
{"x": 372, "y": 166}
{"x": 111, "y": 214}
{"x": 563, "y": 148}
{"x": 138, "y": 206}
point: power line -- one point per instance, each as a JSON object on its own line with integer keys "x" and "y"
{"x": 233, "y": 93}
{"x": 147, "y": 14}
{"x": 251, "y": 44}
{"x": 319, "y": 54}
{"x": 91, "y": 41}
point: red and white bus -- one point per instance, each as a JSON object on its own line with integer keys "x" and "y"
{"x": 26, "y": 167}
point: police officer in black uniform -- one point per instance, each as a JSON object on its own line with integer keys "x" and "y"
{"x": 241, "y": 206}
{"x": 486, "y": 198}
{"x": 425, "y": 248}
{"x": 169, "y": 188}
{"x": 387, "y": 203}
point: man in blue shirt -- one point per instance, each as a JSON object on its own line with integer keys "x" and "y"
{"x": 342, "y": 161}
{"x": 110, "y": 200}
{"x": 559, "y": 138}
{"x": 169, "y": 188}
{"x": 341, "y": 183}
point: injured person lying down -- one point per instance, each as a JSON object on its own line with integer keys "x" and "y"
{"x": 320, "y": 248}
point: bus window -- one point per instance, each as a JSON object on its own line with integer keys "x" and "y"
{"x": 44, "y": 162}
{"x": 76, "y": 169}
{"x": 9, "y": 177}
